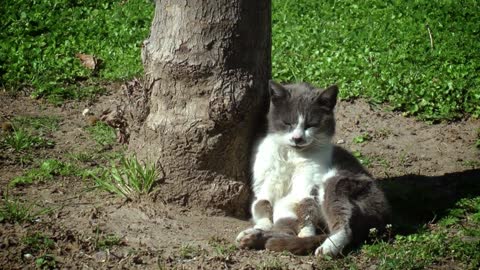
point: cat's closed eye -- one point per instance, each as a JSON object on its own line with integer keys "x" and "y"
{"x": 310, "y": 125}
{"x": 288, "y": 124}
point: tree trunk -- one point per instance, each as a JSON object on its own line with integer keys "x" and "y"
{"x": 206, "y": 69}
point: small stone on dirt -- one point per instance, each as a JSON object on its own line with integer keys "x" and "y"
{"x": 101, "y": 256}
{"x": 86, "y": 112}
{"x": 28, "y": 256}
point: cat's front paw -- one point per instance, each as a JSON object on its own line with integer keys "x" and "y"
{"x": 328, "y": 248}
{"x": 251, "y": 238}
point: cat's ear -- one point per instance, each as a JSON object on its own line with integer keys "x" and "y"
{"x": 277, "y": 91}
{"x": 328, "y": 97}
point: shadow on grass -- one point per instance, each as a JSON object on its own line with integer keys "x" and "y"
{"x": 417, "y": 200}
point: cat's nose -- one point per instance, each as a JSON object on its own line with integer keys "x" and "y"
{"x": 298, "y": 140}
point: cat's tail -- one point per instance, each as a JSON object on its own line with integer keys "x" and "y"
{"x": 294, "y": 244}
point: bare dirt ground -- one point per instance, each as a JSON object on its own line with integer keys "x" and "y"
{"x": 424, "y": 168}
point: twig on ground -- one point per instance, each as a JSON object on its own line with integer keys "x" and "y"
{"x": 430, "y": 35}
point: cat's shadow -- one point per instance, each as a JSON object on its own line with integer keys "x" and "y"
{"x": 417, "y": 200}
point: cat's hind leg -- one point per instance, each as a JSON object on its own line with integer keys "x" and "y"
{"x": 309, "y": 216}
{"x": 353, "y": 204}
{"x": 337, "y": 210}
{"x": 257, "y": 238}
{"x": 303, "y": 238}
{"x": 262, "y": 215}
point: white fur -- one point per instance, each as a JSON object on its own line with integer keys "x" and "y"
{"x": 321, "y": 192}
{"x": 298, "y": 131}
{"x": 285, "y": 175}
{"x": 246, "y": 232}
{"x": 307, "y": 231}
{"x": 335, "y": 243}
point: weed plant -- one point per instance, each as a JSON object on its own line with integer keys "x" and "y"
{"x": 20, "y": 140}
{"x": 37, "y": 242}
{"x": 129, "y": 179}
{"x": 13, "y": 210}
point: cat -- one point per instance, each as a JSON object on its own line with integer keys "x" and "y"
{"x": 309, "y": 194}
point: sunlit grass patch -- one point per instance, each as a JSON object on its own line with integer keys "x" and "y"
{"x": 102, "y": 133}
{"x": 39, "y": 44}
{"x": 47, "y": 170}
{"x": 21, "y": 140}
{"x": 420, "y": 57}
{"x": 454, "y": 239}
{"x": 128, "y": 179}
{"x": 57, "y": 95}
{"x": 362, "y": 138}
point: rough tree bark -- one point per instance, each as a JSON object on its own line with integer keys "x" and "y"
{"x": 206, "y": 69}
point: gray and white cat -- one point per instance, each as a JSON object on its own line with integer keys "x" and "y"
{"x": 309, "y": 194}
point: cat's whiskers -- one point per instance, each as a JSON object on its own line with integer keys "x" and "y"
{"x": 323, "y": 141}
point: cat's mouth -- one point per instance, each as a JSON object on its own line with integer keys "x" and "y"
{"x": 299, "y": 146}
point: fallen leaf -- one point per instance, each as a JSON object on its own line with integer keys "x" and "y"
{"x": 115, "y": 118}
{"x": 89, "y": 61}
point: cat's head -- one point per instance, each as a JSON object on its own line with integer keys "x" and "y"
{"x": 301, "y": 114}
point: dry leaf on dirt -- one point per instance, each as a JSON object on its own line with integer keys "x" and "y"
{"x": 115, "y": 118}
{"x": 89, "y": 61}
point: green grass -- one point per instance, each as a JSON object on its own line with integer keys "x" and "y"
{"x": 12, "y": 210}
{"x": 364, "y": 160}
{"x": 29, "y": 131}
{"x": 39, "y": 42}
{"x": 21, "y": 140}
{"x": 37, "y": 242}
{"x": 106, "y": 241}
{"x": 189, "y": 252}
{"x": 47, "y": 171}
{"x": 377, "y": 49}
{"x": 39, "y": 124}
{"x": 381, "y": 50}
{"x": 46, "y": 261}
{"x": 102, "y": 133}
{"x": 83, "y": 157}
{"x": 129, "y": 179}
{"x": 362, "y": 138}
{"x": 451, "y": 243}
{"x": 455, "y": 239}
{"x": 222, "y": 247}
{"x": 24, "y": 160}
{"x": 57, "y": 95}
{"x": 272, "y": 264}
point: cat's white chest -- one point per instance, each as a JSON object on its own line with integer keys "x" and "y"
{"x": 280, "y": 170}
